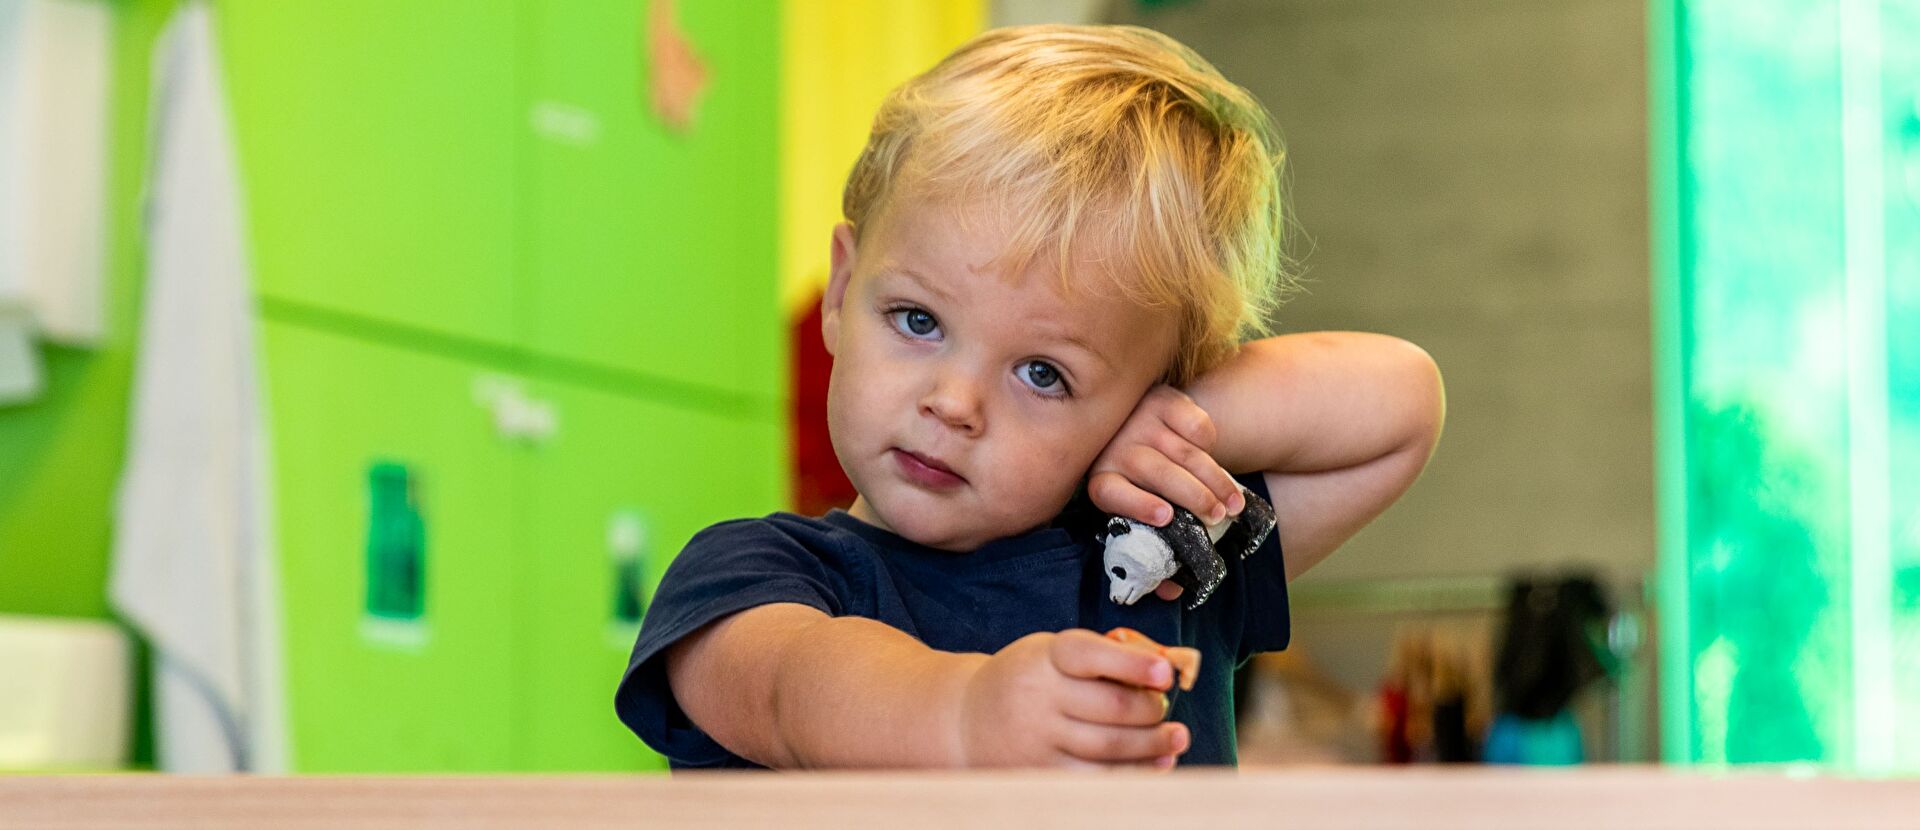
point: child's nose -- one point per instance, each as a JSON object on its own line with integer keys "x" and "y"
{"x": 955, "y": 400}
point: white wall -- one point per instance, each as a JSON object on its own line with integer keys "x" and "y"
{"x": 1472, "y": 174}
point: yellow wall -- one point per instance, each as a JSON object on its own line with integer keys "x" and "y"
{"x": 842, "y": 56}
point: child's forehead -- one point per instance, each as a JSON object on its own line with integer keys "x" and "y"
{"x": 980, "y": 238}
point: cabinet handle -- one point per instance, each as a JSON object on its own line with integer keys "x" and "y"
{"x": 517, "y": 416}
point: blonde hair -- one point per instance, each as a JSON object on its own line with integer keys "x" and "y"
{"x": 1114, "y": 134}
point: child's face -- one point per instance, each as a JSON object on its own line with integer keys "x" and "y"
{"x": 964, "y": 406}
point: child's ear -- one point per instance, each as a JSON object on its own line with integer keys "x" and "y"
{"x": 839, "y": 274}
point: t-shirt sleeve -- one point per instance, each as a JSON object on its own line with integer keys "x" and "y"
{"x": 1266, "y": 621}
{"x": 723, "y": 570}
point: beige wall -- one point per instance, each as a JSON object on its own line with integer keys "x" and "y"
{"x": 1472, "y": 174}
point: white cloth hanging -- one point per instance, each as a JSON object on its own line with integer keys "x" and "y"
{"x": 193, "y": 566}
{"x": 19, "y": 363}
{"x": 55, "y": 57}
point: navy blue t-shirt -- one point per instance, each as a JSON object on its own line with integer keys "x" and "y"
{"x": 1046, "y": 580}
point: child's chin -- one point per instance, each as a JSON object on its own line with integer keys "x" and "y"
{"x": 960, "y": 520}
{"x": 922, "y": 524}
{"x": 934, "y": 535}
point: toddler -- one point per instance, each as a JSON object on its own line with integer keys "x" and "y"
{"x": 1060, "y": 244}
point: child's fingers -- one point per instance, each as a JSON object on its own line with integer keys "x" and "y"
{"x": 1083, "y": 654}
{"x": 1185, "y": 659}
{"x": 1220, "y": 485}
{"x": 1222, "y": 490}
{"x": 1112, "y": 704}
{"x": 1160, "y": 474}
{"x": 1108, "y": 744}
{"x": 1183, "y": 416}
{"x": 1168, "y": 590}
{"x": 1113, "y": 493}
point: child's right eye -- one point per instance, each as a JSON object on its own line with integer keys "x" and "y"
{"x": 914, "y": 322}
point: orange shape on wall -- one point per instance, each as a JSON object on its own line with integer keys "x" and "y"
{"x": 677, "y": 73}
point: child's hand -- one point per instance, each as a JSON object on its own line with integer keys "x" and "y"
{"x": 1161, "y": 453}
{"x": 1070, "y": 699}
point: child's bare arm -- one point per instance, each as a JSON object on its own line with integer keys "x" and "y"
{"x": 787, "y": 686}
{"x": 1342, "y": 422}
{"x": 749, "y": 680}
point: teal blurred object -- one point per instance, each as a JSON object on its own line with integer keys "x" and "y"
{"x": 1787, "y": 295}
{"x": 1554, "y": 742}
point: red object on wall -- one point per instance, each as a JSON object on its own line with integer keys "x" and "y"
{"x": 818, "y": 482}
{"x": 1397, "y": 744}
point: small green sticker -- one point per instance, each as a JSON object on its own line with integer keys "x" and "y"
{"x": 396, "y": 544}
{"x": 627, "y": 545}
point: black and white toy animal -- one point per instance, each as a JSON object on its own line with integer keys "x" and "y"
{"x": 1188, "y": 551}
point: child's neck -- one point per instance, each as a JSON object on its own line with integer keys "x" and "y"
{"x": 863, "y": 510}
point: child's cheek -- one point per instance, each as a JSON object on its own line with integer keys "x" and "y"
{"x": 1054, "y": 461}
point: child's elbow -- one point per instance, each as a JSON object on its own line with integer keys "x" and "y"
{"x": 1425, "y": 401}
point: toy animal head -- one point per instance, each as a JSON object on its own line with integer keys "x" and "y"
{"x": 1137, "y": 560}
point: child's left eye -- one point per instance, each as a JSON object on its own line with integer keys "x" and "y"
{"x": 917, "y": 323}
{"x": 1043, "y": 375}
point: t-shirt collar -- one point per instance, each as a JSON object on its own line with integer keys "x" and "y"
{"x": 1006, "y": 548}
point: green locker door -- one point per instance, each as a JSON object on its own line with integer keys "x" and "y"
{"x": 394, "y": 501}
{"x": 609, "y": 497}
{"x": 376, "y": 140}
{"x": 651, "y": 250}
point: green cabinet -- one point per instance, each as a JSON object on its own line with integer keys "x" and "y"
{"x": 541, "y": 516}
{"x": 377, "y": 143}
{"x": 648, "y": 250}
{"x": 369, "y": 690}
{"x": 605, "y": 501}
{"x": 521, "y": 341}
{"x": 495, "y": 171}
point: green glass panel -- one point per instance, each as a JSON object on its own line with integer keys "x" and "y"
{"x": 1900, "y": 32}
{"x": 606, "y": 501}
{"x": 420, "y": 682}
{"x": 1766, "y": 402}
{"x": 1789, "y": 300}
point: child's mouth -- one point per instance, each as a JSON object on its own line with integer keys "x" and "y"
{"x": 924, "y": 471}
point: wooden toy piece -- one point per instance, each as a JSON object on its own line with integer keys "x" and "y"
{"x": 1186, "y": 661}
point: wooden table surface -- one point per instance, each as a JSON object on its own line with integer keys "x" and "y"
{"x": 1306, "y": 797}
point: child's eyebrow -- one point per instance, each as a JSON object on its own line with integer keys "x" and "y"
{"x": 1071, "y": 339}
{"x": 931, "y": 286}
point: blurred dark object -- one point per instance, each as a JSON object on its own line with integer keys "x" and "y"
{"x": 1453, "y": 742}
{"x": 1555, "y": 644}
